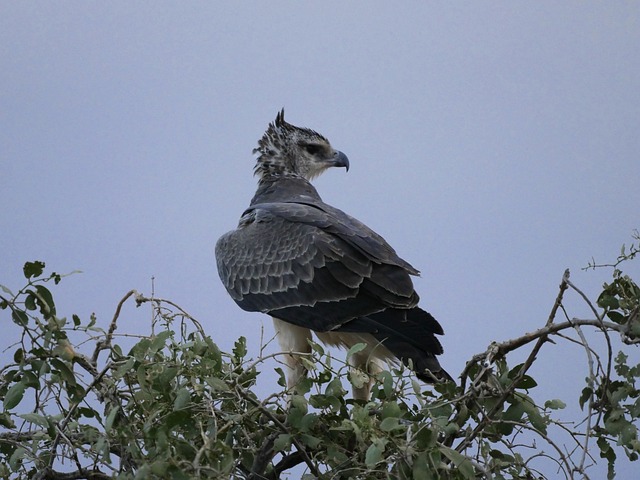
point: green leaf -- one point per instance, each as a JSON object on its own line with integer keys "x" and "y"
{"x": 310, "y": 441}
{"x": 515, "y": 412}
{"x": 421, "y": 468}
{"x": 298, "y": 403}
{"x": 526, "y": 382}
{"x": 555, "y": 404}
{"x": 391, "y": 409}
{"x": 334, "y": 388}
{"x": 282, "y": 379}
{"x": 180, "y": 417}
{"x": 165, "y": 378}
{"x": 587, "y": 393}
{"x": 108, "y": 424}
{"x": 45, "y": 301}
{"x": 30, "y": 379}
{"x": 607, "y": 452}
{"x": 537, "y": 421}
{"x": 390, "y": 424}
{"x": 628, "y": 433}
{"x": 283, "y": 442}
{"x": 239, "y": 350}
{"x": 387, "y": 383}
{"x": 6, "y": 420}
{"x": 65, "y": 372}
{"x": 19, "y": 317}
{"x": 358, "y": 378}
{"x": 88, "y": 412}
{"x": 317, "y": 348}
{"x": 374, "y": 453}
{"x": 503, "y": 457}
{"x": 615, "y": 421}
{"x": 307, "y": 422}
{"x": 608, "y": 301}
{"x": 217, "y": 384}
{"x": 159, "y": 341}
{"x": 308, "y": 363}
{"x": 14, "y": 395}
{"x": 124, "y": 368}
{"x": 461, "y": 462}
{"x": 36, "y": 419}
{"x": 18, "y": 356}
{"x": 358, "y": 347}
{"x": 426, "y": 437}
{"x": 183, "y": 397}
{"x": 16, "y": 458}
{"x": 33, "y": 269}
{"x": 30, "y": 301}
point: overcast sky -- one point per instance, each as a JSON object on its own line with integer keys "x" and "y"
{"x": 493, "y": 144}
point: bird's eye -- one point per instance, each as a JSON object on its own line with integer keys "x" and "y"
{"x": 312, "y": 148}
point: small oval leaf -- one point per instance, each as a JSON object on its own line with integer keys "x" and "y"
{"x": 14, "y": 395}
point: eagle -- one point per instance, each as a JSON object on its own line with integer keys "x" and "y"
{"x": 313, "y": 268}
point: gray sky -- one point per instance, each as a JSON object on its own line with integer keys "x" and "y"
{"x": 493, "y": 144}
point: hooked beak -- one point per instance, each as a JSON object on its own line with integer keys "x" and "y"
{"x": 340, "y": 160}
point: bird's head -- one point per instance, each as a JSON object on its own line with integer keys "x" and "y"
{"x": 287, "y": 150}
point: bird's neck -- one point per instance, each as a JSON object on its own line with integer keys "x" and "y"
{"x": 272, "y": 189}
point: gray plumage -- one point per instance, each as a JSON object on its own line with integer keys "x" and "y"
{"x": 311, "y": 265}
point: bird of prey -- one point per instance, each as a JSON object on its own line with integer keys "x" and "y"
{"x": 314, "y": 268}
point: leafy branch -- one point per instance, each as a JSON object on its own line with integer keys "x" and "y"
{"x": 173, "y": 405}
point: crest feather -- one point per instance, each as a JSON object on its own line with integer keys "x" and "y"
{"x": 278, "y": 150}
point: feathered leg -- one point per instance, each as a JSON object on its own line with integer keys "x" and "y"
{"x": 293, "y": 339}
{"x": 362, "y": 362}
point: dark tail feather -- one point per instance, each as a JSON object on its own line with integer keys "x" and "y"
{"x": 424, "y": 363}
{"x": 410, "y": 336}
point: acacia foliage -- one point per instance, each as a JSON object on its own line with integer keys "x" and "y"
{"x": 78, "y": 404}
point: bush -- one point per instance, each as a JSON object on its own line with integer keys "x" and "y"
{"x": 76, "y": 405}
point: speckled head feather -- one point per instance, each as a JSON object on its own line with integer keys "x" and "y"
{"x": 287, "y": 150}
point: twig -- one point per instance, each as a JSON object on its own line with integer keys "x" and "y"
{"x": 498, "y": 350}
{"x": 592, "y": 378}
{"x": 112, "y": 327}
{"x": 63, "y": 424}
{"x": 140, "y": 299}
{"x": 541, "y": 339}
{"x": 603, "y": 327}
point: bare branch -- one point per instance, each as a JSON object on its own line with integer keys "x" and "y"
{"x": 140, "y": 299}
{"x": 112, "y": 328}
{"x": 541, "y": 339}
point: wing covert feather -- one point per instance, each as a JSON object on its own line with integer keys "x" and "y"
{"x": 290, "y": 255}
